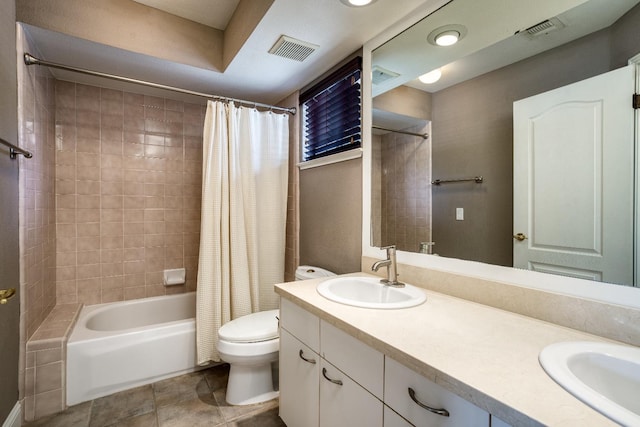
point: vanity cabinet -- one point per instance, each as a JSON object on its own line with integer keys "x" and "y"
{"x": 330, "y": 379}
{"x": 317, "y": 390}
{"x": 427, "y": 402}
{"x": 299, "y": 393}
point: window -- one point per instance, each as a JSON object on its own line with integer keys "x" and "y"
{"x": 331, "y": 113}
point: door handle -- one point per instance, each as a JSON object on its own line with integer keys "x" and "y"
{"x": 519, "y": 237}
{"x": 5, "y": 294}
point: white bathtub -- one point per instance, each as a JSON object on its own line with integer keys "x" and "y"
{"x": 121, "y": 345}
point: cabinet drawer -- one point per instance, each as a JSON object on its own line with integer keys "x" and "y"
{"x": 298, "y": 382}
{"x": 346, "y": 404}
{"x": 398, "y": 379}
{"x": 356, "y": 359}
{"x": 300, "y": 323}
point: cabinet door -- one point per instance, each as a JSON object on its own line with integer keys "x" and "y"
{"x": 362, "y": 363}
{"x": 497, "y": 422}
{"x": 346, "y": 404}
{"x": 398, "y": 379}
{"x": 391, "y": 419}
{"x": 298, "y": 382}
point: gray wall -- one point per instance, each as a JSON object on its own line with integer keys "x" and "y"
{"x": 473, "y": 135}
{"x": 331, "y": 216}
{"x": 9, "y": 268}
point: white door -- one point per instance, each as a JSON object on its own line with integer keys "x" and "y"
{"x": 573, "y": 179}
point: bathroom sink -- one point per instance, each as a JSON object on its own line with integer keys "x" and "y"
{"x": 368, "y": 292}
{"x": 604, "y": 376}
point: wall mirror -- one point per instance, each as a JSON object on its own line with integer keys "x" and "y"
{"x": 459, "y": 132}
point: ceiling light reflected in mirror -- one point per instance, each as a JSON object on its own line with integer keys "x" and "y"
{"x": 448, "y": 38}
{"x": 357, "y": 3}
{"x": 431, "y": 76}
{"x": 447, "y": 35}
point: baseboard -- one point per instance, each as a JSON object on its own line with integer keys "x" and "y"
{"x": 14, "y": 419}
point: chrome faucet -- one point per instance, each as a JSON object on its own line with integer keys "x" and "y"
{"x": 392, "y": 268}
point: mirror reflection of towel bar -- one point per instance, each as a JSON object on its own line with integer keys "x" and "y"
{"x": 477, "y": 179}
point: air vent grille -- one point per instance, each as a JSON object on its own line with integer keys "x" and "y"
{"x": 288, "y": 47}
{"x": 544, "y": 27}
{"x": 380, "y": 75}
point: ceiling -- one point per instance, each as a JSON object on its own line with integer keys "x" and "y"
{"x": 212, "y": 13}
{"x": 499, "y": 39}
{"x": 253, "y": 74}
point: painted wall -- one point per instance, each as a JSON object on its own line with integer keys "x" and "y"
{"x": 331, "y": 216}
{"x": 475, "y": 137}
{"x": 131, "y": 26}
{"x": 405, "y": 100}
{"x": 9, "y": 224}
{"x": 292, "y": 250}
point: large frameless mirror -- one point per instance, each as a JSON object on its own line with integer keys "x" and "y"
{"x": 444, "y": 179}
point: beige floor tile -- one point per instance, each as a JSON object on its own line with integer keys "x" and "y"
{"x": 232, "y": 413}
{"x": 269, "y": 418}
{"x": 185, "y": 401}
{"x": 182, "y": 388}
{"x": 145, "y": 420}
{"x": 217, "y": 376}
{"x": 191, "y": 413}
{"x": 111, "y": 409}
{"x": 76, "y": 416}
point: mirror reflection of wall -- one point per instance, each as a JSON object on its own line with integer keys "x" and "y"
{"x": 472, "y": 128}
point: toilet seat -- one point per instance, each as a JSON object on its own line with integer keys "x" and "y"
{"x": 252, "y": 328}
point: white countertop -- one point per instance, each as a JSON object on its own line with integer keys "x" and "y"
{"x": 485, "y": 355}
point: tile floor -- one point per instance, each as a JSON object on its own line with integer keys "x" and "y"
{"x": 190, "y": 400}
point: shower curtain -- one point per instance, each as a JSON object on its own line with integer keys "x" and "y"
{"x": 243, "y": 223}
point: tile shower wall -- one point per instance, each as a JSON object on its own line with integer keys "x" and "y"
{"x": 128, "y": 185}
{"x": 405, "y": 201}
{"x": 36, "y": 186}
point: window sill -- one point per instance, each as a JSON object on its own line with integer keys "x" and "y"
{"x": 356, "y": 153}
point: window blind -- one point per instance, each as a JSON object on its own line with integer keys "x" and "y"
{"x": 332, "y": 113}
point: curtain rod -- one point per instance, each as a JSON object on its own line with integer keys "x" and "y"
{"x": 421, "y": 135}
{"x": 14, "y": 150}
{"x": 32, "y": 60}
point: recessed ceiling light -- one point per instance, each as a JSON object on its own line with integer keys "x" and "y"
{"x": 357, "y": 3}
{"x": 447, "y": 38}
{"x": 431, "y": 76}
{"x": 447, "y": 35}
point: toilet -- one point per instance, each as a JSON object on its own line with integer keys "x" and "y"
{"x": 250, "y": 345}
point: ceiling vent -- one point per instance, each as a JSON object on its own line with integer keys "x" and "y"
{"x": 544, "y": 27}
{"x": 288, "y": 47}
{"x": 380, "y": 75}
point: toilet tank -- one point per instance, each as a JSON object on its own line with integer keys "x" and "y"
{"x": 305, "y": 272}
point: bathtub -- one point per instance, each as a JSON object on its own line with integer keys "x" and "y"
{"x": 117, "y": 346}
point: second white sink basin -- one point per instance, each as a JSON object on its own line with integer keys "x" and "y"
{"x": 368, "y": 292}
{"x": 604, "y": 376}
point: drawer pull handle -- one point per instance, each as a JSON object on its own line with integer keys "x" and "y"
{"x": 412, "y": 395}
{"x": 301, "y": 354}
{"x": 324, "y": 374}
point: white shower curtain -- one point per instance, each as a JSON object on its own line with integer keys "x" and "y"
{"x": 243, "y": 224}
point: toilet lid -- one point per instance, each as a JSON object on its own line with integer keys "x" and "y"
{"x": 254, "y": 327}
